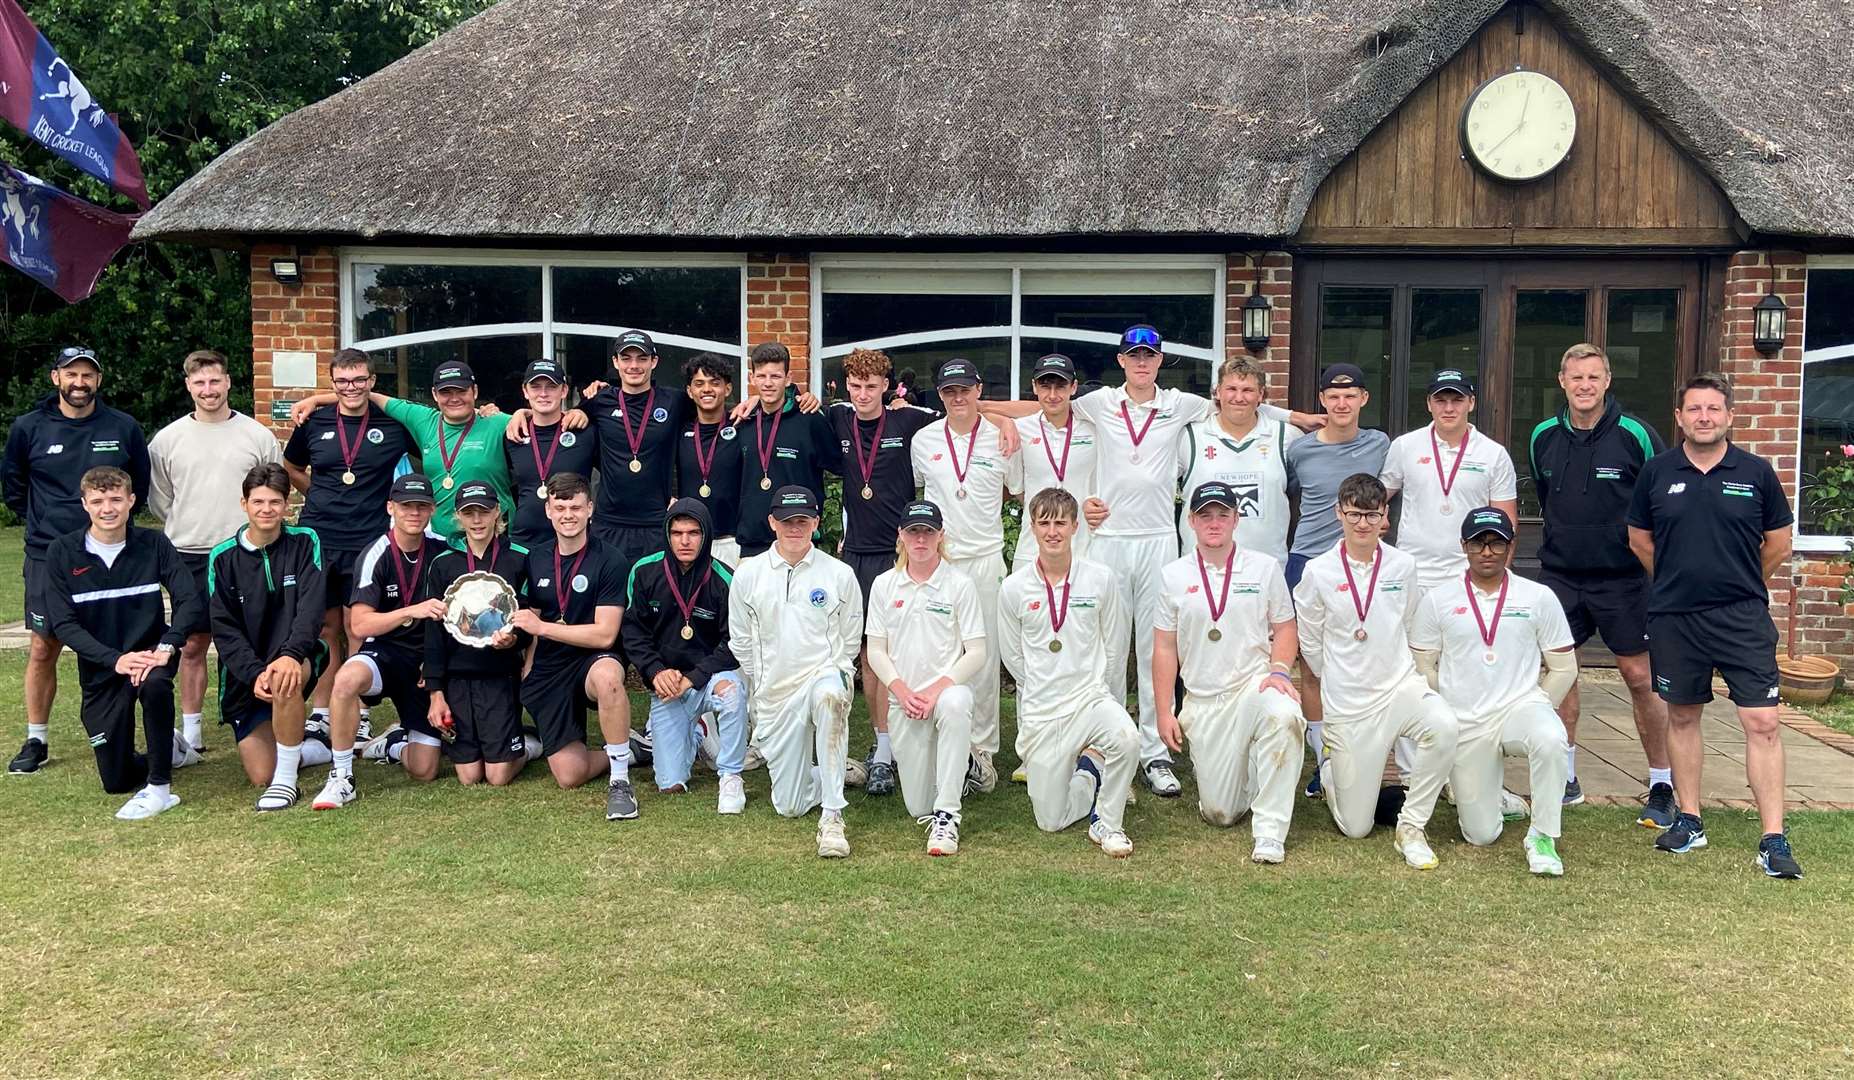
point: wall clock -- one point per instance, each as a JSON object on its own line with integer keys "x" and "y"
{"x": 1518, "y": 126}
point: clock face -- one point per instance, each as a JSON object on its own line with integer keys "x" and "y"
{"x": 1518, "y": 126}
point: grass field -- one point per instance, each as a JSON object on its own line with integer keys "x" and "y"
{"x": 432, "y": 931}
{"x": 12, "y": 586}
{"x": 1837, "y": 712}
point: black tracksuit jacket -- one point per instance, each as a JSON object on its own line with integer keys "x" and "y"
{"x": 266, "y": 603}
{"x": 104, "y": 611}
{"x": 47, "y": 453}
{"x": 1585, "y": 480}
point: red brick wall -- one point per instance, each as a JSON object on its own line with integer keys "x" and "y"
{"x": 1277, "y": 284}
{"x": 779, "y": 307}
{"x": 291, "y": 317}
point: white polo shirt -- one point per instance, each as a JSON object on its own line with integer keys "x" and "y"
{"x": 926, "y": 623}
{"x": 1040, "y": 446}
{"x": 1257, "y": 599}
{"x": 1357, "y": 677}
{"x": 788, "y": 624}
{"x": 1141, "y": 496}
{"x": 1054, "y": 686}
{"x": 1531, "y": 622}
{"x": 974, "y": 524}
{"x": 1424, "y": 529}
{"x": 1255, "y": 468}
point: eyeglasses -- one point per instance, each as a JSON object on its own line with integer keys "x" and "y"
{"x": 353, "y": 384}
{"x": 1495, "y": 546}
{"x": 1138, "y": 337}
{"x": 1371, "y": 517}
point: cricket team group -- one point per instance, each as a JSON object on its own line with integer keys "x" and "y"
{"x": 1377, "y": 568}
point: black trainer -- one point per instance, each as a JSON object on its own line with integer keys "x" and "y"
{"x": 33, "y": 755}
{"x": 620, "y": 801}
{"x": 1774, "y": 855}
{"x": 1659, "y": 811}
{"x": 1686, "y": 834}
{"x": 881, "y": 778}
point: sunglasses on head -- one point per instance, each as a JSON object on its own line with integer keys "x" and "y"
{"x": 1140, "y": 337}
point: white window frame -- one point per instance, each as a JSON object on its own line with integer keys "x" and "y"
{"x": 546, "y": 260}
{"x": 1015, "y": 331}
{"x": 1815, "y": 543}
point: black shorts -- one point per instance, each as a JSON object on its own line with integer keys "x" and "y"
{"x": 1737, "y": 640}
{"x": 1616, "y": 607}
{"x": 556, "y": 699}
{"x": 38, "y": 615}
{"x": 196, "y": 565}
{"x": 486, "y": 719}
{"x": 338, "y": 572}
{"x": 245, "y": 711}
{"x": 633, "y": 542}
{"x": 397, "y": 680}
{"x": 867, "y": 567}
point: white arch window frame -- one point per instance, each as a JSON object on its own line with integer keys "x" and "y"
{"x": 1015, "y": 331}
{"x": 547, "y": 261}
{"x": 1805, "y": 542}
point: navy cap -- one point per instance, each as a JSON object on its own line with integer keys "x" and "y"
{"x": 1055, "y": 364}
{"x": 1339, "y": 376}
{"x": 1212, "y": 493}
{"x": 793, "y": 500}
{"x": 452, "y": 374}
{"x": 72, "y": 354}
{"x": 477, "y": 493}
{"x": 956, "y": 372}
{"x": 543, "y": 369}
{"x": 412, "y": 488}
{"x": 1141, "y": 337}
{"x": 922, "y": 514}
{"x": 1449, "y": 379}
{"x": 634, "y": 339}
{"x": 1487, "y": 519}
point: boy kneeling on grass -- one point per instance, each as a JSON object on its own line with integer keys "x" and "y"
{"x": 105, "y": 600}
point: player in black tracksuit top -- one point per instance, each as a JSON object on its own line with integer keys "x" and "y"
{"x": 475, "y": 692}
{"x": 266, "y": 586}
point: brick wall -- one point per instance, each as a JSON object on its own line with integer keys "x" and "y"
{"x": 1277, "y": 284}
{"x": 1767, "y": 407}
{"x": 291, "y": 318}
{"x": 779, "y": 307}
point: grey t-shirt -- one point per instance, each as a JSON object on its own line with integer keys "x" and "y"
{"x": 1316, "y": 469}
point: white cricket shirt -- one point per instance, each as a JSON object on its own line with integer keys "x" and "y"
{"x": 1257, "y": 599}
{"x": 1054, "y": 686}
{"x": 974, "y": 524}
{"x": 788, "y": 624}
{"x": 1357, "y": 678}
{"x": 1425, "y": 530}
{"x": 1531, "y": 622}
{"x": 926, "y": 623}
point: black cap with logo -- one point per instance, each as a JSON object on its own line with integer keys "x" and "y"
{"x": 922, "y": 515}
{"x": 793, "y": 500}
{"x": 477, "y": 493}
{"x": 1053, "y": 366}
{"x": 543, "y": 369}
{"x": 956, "y": 372}
{"x": 1487, "y": 519}
{"x": 412, "y": 488}
{"x": 71, "y": 354}
{"x": 1338, "y": 376}
{"x": 1212, "y": 493}
{"x": 635, "y": 339}
{"x": 452, "y": 375}
{"x": 1451, "y": 381}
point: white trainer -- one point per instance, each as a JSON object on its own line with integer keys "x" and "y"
{"x": 855, "y": 773}
{"x": 185, "y": 754}
{"x": 1542, "y": 854}
{"x": 1513, "y": 807}
{"x": 375, "y": 749}
{"x": 1113, "y": 843}
{"x": 337, "y": 793}
{"x": 832, "y": 843}
{"x": 733, "y": 797}
{"x": 754, "y": 759}
{"x": 1414, "y": 847}
{"x": 277, "y": 797}
{"x": 981, "y": 774}
{"x": 145, "y": 804}
{"x": 942, "y": 832}
{"x": 1268, "y": 851}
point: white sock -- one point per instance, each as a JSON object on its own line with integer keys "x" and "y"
{"x": 620, "y": 754}
{"x": 532, "y": 747}
{"x": 288, "y": 758}
{"x": 1660, "y": 776}
{"x": 190, "y": 727}
{"x": 344, "y": 762}
{"x": 315, "y": 752}
{"x": 1315, "y": 731}
{"x": 884, "y": 753}
{"x": 158, "y": 789}
{"x": 366, "y": 713}
{"x": 1570, "y": 760}
{"x": 395, "y": 751}
{"x": 41, "y": 732}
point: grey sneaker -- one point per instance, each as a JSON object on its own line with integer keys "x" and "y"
{"x": 620, "y": 801}
{"x": 1573, "y": 792}
{"x": 1161, "y": 780}
{"x": 881, "y": 778}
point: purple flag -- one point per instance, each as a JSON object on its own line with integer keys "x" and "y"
{"x": 55, "y": 238}
{"x": 41, "y": 96}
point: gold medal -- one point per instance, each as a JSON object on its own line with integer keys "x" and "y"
{"x": 765, "y": 483}
{"x": 348, "y": 477}
{"x": 449, "y": 483}
{"x": 636, "y": 465}
{"x": 541, "y": 492}
{"x": 868, "y": 492}
{"x": 687, "y": 631}
{"x": 1055, "y": 644}
{"x": 702, "y": 491}
{"x": 1216, "y": 634}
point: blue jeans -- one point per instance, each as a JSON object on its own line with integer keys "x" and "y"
{"x": 674, "y": 736}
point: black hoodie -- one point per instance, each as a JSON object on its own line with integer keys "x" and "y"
{"x": 653, "y": 619}
{"x": 47, "y": 453}
{"x": 1585, "y": 480}
{"x": 266, "y": 602}
{"x": 104, "y": 610}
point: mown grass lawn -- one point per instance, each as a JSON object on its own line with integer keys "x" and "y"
{"x": 12, "y": 585}
{"x": 436, "y": 931}
{"x": 1837, "y": 712}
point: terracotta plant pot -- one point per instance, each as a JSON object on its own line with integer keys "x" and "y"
{"x": 1807, "y": 680}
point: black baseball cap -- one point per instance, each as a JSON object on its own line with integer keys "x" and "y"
{"x": 477, "y": 493}
{"x": 1487, "y": 519}
{"x": 452, "y": 374}
{"x": 1342, "y": 375}
{"x": 412, "y": 488}
{"x": 956, "y": 372}
{"x": 71, "y": 354}
{"x": 793, "y": 500}
{"x": 1212, "y": 493}
{"x": 543, "y": 369}
{"x": 1055, "y": 364}
{"x": 922, "y": 514}
{"x": 1451, "y": 380}
{"x": 635, "y": 339}
{"x": 1141, "y": 337}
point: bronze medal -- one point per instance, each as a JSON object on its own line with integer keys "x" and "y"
{"x": 1359, "y": 634}
{"x": 868, "y": 492}
{"x": 1216, "y": 634}
{"x": 1055, "y": 644}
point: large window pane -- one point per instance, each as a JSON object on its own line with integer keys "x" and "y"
{"x": 1643, "y": 343}
{"x": 862, "y": 316}
{"x": 1097, "y": 366}
{"x": 914, "y": 367}
{"x": 702, "y": 301}
{"x": 1183, "y": 318}
{"x": 1355, "y": 328}
{"x": 391, "y": 298}
{"x": 1827, "y": 424}
{"x": 405, "y": 371}
{"x": 1830, "y": 308}
{"x": 1445, "y": 332}
{"x": 1545, "y": 323}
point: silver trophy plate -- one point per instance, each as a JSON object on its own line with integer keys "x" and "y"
{"x": 477, "y": 606}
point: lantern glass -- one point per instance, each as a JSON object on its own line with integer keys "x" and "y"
{"x": 1256, "y": 316}
{"x": 1768, "y": 329}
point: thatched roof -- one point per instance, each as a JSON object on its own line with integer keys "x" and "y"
{"x": 770, "y": 119}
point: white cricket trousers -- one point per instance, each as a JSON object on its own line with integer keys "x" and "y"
{"x": 1061, "y": 794}
{"x": 1529, "y": 729}
{"x": 1356, "y": 747}
{"x": 987, "y": 574}
{"x": 814, "y": 720}
{"x": 1136, "y": 562}
{"x": 930, "y": 754}
{"x": 1245, "y": 752}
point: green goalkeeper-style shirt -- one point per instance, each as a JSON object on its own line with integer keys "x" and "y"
{"x": 479, "y": 458}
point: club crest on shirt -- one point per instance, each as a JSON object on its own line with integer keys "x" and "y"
{"x": 937, "y": 608}
{"x": 1393, "y": 585}
{"x": 567, "y": 438}
{"x": 659, "y": 414}
{"x": 728, "y": 432}
{"x": 376, "y": 436}
{"x": 104, "y": 446}
{"x": 818, "y": 596}
{"x": 580, "y": 583}
{"x": 1245, "y": 588}
{"x": 1085, "y": 603}
{"x": 1605, "y": 472}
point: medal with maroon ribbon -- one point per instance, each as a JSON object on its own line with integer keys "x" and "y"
{"x": 704, "y": 464}
{"x": 1371, "y": 590}
{"x": 636, "y": 442}
{"x": 1056, "y": 617}
{"x": 1222, "y": 602}
{"x": 1137, "y": 437}
{"x": 687, "y": 607}
{"x": 766, "y": 446}
{"x": 349, "y": 453}
{"x": 543, "y": 467}
{"x": 1489, "y": 630}
{"x": 867, "y": 468}
{"x": 960, "y": 472}
{"x": 489, "y": 557}
{"x": 406, "y": 588}
{"x": 1448, "y": 482}
{"x": 561, "y": 590}
{"x": 1068, "y": 439}
{"x": 449, "y": 457}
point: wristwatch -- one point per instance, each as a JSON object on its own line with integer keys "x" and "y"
{"x": 165, "y": 648}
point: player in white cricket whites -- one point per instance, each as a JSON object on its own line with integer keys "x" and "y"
{"x": 1056, "y": 615}
{"x": 1058, "y": 446}
{"x": 1355, "y": 605}
{"x": 961, "y": 466}
{"x": 1226, "y": 623}
{"x": 1443, "y": 471}
{"x": 795, "y": 620}
{"x": 1245, "y": 450}
{"x": 1480, "y": 642}
{"x": 927, "y": 644}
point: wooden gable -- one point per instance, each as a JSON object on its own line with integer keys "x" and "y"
{"x": 1625, "y": 183}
